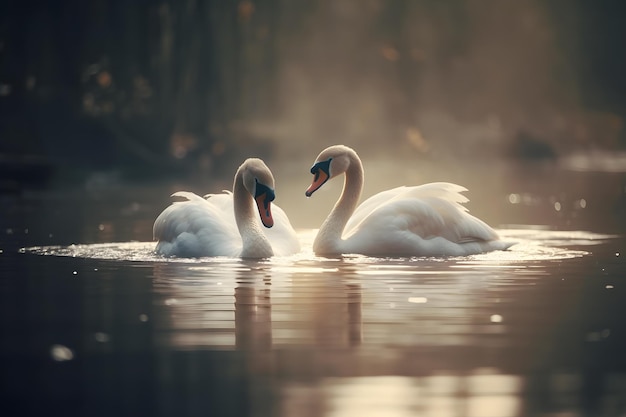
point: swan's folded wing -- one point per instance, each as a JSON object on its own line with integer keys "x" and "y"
{"x": 449, "y": 220}
{"x": 196, "y": 228}
{"x": 428, "y": 211}
{"x": 372, "y": 203}
{"x": 223, "y": 201}
{"x": 439, "y": 190}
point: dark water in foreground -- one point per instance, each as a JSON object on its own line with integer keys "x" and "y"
{"x": 108, "y": 329}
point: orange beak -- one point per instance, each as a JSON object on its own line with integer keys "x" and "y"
{"x": 320, "y": 178}
{"x": 265, "y": 210}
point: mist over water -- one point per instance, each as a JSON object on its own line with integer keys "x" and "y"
{"x": 424, "y": 75}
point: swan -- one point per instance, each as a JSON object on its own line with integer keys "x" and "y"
{"x": 226, "y": 224}
{"x": 424, "y": 220}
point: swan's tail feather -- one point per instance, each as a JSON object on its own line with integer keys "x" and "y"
{"x": 207, "y": 196}
{"x": 188, "y": 196}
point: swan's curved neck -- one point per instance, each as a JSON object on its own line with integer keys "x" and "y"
{"x": 255, "y": 243}
{"x": 328, "y": 239}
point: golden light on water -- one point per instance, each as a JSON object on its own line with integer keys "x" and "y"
{"x": 478, "y": 394}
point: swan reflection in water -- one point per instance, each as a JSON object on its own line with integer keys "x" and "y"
{"x": 253, "y": 312}
{"x": 255, "y": 305}
{"x": 326, "y": 333}
{"x": 298, "y": 322}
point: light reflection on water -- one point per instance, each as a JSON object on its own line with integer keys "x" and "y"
{"x": 498, "y": 334}
{"x": 304, "y": 299}
{"x": 531, "y": 244}
{"x": 484, "y": 394}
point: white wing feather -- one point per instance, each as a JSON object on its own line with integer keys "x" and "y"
{"x": 422, "y": 220}
{"x": 195, "y": 228}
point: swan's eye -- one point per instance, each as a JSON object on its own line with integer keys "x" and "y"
{"x": 264, "y": 189}
{"x": 323, "y": 165}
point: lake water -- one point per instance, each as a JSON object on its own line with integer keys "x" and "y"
{"x": 93, "y": 323}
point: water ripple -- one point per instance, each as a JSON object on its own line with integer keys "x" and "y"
{"x": 533, "y": 245}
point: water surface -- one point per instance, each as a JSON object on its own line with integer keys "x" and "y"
{"x": 94, "y": 323}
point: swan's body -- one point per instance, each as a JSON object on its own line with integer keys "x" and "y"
{"x": 226, "y": 224}
{"x": 425, "y": 220}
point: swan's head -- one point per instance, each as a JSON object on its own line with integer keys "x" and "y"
{"x": 332, "y": 161}
{"x": 259, "y": 181}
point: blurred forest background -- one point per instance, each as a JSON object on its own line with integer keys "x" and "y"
{"x": 155, "y": 88}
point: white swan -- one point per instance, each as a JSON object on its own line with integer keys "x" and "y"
{"x": 226, "y": 224}
{"x": 425, "y": 220}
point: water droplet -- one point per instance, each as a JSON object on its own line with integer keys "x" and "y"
{"x": 170, "y": 301}
{"x": 514, "y": 198}
{"x": 418, "y": 300}
{"x": 95, "y": 269}
{"x": 617, "y": 254}
{"x": 557, "y": 206}
{"x": 143, "y": 318}
{"x": 75, "y": 273}
{"x": 495, "y": 318}
{"x": 609, "y": 287}
{"x": 101, "y": 227}
{"x": 61, "y": 353}
{"x": 582, "y": 203}
{"x": 102, "y": 337}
